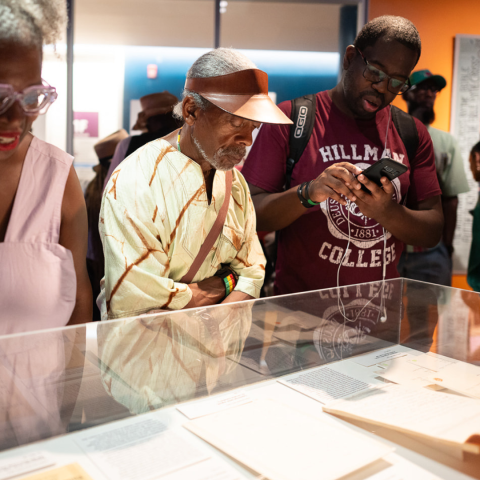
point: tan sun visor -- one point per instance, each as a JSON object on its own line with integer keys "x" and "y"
{"x": 243, "y": 93}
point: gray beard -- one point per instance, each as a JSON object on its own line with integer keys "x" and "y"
{"x": 216, "y": 161}
{"x": 212, "y": 161}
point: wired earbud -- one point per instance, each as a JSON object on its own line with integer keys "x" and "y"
{"x": 383, "y": 308}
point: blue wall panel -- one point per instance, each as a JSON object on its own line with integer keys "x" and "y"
{"x": 291, "y": 74}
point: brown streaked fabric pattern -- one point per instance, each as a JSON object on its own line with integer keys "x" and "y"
{"x": 149, "y": 363}
{"x": 154, "y": 218}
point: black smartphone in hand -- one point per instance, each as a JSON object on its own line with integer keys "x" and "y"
{"x": 385, "y": 167}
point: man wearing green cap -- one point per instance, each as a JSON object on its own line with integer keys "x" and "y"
{"x": 435, "y": 264}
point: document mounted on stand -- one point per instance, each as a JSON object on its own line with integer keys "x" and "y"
{"x": 440, "y": 417}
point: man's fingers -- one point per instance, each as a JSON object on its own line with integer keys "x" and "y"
{"x": 350, "y": 167}
{"x": 335, "y": 196}
{"x": 340, "y": 188}
{"x": 326, "y": 183}
{"x": 346, "y": 175}
{"x": 372, "y": 186}
{"x": 387, "y": 185}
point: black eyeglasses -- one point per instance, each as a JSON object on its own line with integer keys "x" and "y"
{"x": 374, "y": 75}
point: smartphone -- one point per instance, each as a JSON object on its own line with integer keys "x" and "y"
{"x": 385, "y": 167}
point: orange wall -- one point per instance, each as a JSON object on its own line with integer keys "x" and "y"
{"x": 438, "y": 22}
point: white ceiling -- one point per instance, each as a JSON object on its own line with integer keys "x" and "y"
{"x": 281, "y": 26}
{"x": 190, "y": 23}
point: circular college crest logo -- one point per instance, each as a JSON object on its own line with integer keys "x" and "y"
{"x": 336, "y": 338}
{"x": 364, "y": 231}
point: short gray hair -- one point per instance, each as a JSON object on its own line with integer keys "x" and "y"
{"x": 32, "y": 22}
{"x": 220, "y": 61}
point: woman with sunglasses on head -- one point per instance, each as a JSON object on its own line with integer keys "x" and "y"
{"x": 43, "y": 219}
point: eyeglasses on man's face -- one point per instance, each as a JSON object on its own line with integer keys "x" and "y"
{"x": 34, "y": 100}
{"x": 374, "y": 75}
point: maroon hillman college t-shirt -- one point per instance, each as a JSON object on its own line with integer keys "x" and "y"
{"x": 311, "y": 248}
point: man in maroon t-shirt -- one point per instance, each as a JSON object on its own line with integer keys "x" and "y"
{"x": 353, "y": 129}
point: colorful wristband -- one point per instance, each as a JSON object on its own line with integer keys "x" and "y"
{"x": 230, "y": 284}
{"x": 229, "y": 277}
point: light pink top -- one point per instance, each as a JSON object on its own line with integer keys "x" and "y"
{"x": 37, "y": 275}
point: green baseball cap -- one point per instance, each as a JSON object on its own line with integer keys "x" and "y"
{"x": 421, "y": 75}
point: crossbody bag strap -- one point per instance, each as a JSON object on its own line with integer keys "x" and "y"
{"x": 303, "y": 116}
{"x": 212, "y": 234}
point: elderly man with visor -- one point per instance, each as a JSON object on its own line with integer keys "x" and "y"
{"x": 177, "y": 221}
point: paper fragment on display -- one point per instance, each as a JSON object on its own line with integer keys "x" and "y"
{"x": 404, "y": 371}
{"x": 22, "y": 464}
{"x": 289, "y": 449}
{"x": 373, "y": 358}
{"x": 432, "y": 361}
{"x": 218, "y": 403}
{"x": 441, "y": 416}
{"x": 68, "y": 472}
{"x": 460, "y": 377}
{"x": 330, "y": 383}
{"x": 140, "y": 450}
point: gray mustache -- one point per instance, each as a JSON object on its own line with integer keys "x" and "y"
{"x": 236, "y": 151}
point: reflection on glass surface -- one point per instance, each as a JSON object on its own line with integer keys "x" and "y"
{"x": 444, "y": 320}
{"x": 37, "y": 395}
{"x": 74, "y": 378}
{"x": 148, "y": 363}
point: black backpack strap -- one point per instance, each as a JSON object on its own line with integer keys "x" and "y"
{"x": 303, "y": 116}
{"x": 406, "y": 128}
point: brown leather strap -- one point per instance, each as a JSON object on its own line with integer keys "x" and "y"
{"x": 212, "y": 234}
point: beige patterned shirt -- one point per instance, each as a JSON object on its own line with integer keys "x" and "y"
{"x": 154, "y": 218}
{"x": 151, "y": 362}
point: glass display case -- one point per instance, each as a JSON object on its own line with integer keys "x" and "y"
{"x": 56, "y": 383}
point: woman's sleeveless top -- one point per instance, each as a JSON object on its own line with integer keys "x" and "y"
{"x": 37, "y": 275}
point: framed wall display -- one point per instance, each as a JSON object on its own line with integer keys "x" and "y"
{"x": 465, "y": 127}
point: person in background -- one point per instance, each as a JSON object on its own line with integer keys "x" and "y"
{"x": 155, "y": 120}
{"x": 43, "y": 219}
{"x": 177, "y": 221}
{"x": 329, "y": 230}
{"x": 104, "y": 149}
{"x": 473, "y": 275}
{"x": 434, "y": 265}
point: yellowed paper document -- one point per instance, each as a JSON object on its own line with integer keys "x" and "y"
{"x": 405, "y": 371}
{"x": 443, "y": 417}
{"x": 461, "y": 377}
{"x": 69, "y": 472}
